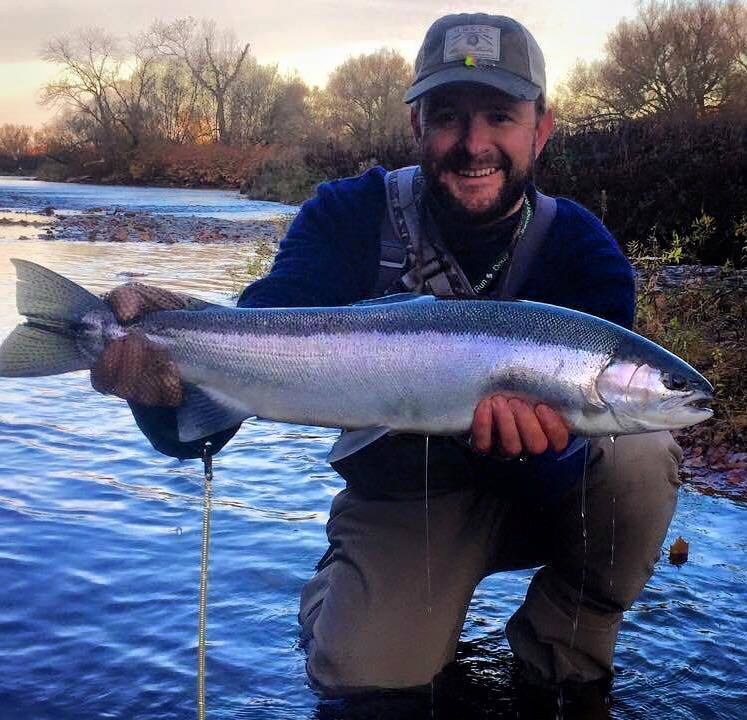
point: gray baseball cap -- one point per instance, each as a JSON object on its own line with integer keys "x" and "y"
{"x": 478, "y": 48}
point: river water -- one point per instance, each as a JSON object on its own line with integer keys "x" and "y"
{"x": 100, "y": 541}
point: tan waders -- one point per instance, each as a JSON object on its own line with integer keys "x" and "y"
{"x": 370, "y": 621}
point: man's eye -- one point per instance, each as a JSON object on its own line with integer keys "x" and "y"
{"x": 497, "y": 116}
{"x": 443, "y": 117}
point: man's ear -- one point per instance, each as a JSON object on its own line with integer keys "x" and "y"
{"x": 543, "y": 131}
{"x": 417, "y": 131}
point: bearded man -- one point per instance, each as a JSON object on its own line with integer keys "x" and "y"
{"x": 467, "y": 221}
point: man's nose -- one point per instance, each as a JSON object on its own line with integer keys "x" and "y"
{"x": 477, "y": 138}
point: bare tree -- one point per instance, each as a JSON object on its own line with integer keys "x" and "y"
{"x": 173, "y": 103}
{"x": 679, "y": 57}
{"x": 735, "y": 13}
{"x": 92, "y": 82}
{"x": 15, "y": 140}
{"x": 213, "y": 60}
{"x": 90, "y": 65}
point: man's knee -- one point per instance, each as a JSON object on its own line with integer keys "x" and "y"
{"x": 367, "y": 658}
{"x": 648, "y": 462}
{"x": 372, "y": 616}
{"x": 636, "y": 481}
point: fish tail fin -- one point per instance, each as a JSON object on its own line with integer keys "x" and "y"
{"x": 53, "y": 307}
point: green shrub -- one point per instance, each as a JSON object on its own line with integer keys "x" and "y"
{"x": 283, "y": 177}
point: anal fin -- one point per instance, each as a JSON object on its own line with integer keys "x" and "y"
{"x": 574, "y": 446}
{"x": 353, "y": 440}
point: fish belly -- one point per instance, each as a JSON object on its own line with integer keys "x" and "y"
{"x": 425, "y": 382}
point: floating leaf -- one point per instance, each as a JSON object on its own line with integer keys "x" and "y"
{"x": 678, "y": 551}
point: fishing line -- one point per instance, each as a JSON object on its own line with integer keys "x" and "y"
{"x": 584, "y": 536}
{"x": 572, "y": 643}
{"x": 427, "y": 531}
{"x": 207, "y": 463}
{"x": 429, "y": 605}
{"x": 614, "y": 503}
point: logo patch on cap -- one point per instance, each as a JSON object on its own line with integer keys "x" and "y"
{"x": 479, "y": 42}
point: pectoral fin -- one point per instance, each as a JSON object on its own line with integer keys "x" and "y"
{"x": 204, "y": 412}
{"x": 574, "y": 446}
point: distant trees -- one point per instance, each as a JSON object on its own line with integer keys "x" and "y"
{"x": 363, "y": 99}
{"x": 187, "y": 82}
{"x": 177, "y": 82}
{"x": 91, "y": 63}
{"x": 653, "y": 136}
{"x": 15, "y": 141}
{"x": 214, "y": 60}
{"x": 679, "y": 57}
{"x": 174, "y": 104}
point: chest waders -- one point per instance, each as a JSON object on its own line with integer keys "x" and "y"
{"x": 415, "y": 259}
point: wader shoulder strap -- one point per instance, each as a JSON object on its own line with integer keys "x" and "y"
{"x": 404, "y": 243}
{"x": 402, "y": 237}
{"x": 528, "y": 247}
{"x": 397, "y": 228}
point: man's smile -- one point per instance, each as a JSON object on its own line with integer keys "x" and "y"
{"x": 482, "y": 172}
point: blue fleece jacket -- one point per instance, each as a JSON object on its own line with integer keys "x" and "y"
{"x": 330, "y": 257}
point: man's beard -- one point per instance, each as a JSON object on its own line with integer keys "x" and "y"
{"x": 452, "y": 209}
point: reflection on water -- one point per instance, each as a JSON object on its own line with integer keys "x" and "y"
{"x": 99, "y": 559}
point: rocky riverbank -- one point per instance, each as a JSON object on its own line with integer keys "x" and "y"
{"x": 130, "y": 226}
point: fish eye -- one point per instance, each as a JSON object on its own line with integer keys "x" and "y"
{"x": 674, "y": 381}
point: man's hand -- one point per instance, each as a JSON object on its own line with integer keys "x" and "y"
{"x": 515, "y": 428}
{"x": 131, "y": 367}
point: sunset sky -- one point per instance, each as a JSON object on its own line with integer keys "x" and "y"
{"x": 311, "y": 37}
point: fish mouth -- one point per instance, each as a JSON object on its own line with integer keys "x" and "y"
{"x": 695, "y": 404}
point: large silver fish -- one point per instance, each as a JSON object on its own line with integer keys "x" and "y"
{"x": 400, "y": 364}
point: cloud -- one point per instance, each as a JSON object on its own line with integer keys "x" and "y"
{"x": 284, "y": 26}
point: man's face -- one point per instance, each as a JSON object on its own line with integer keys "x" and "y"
{"x": 478, "y": 148}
